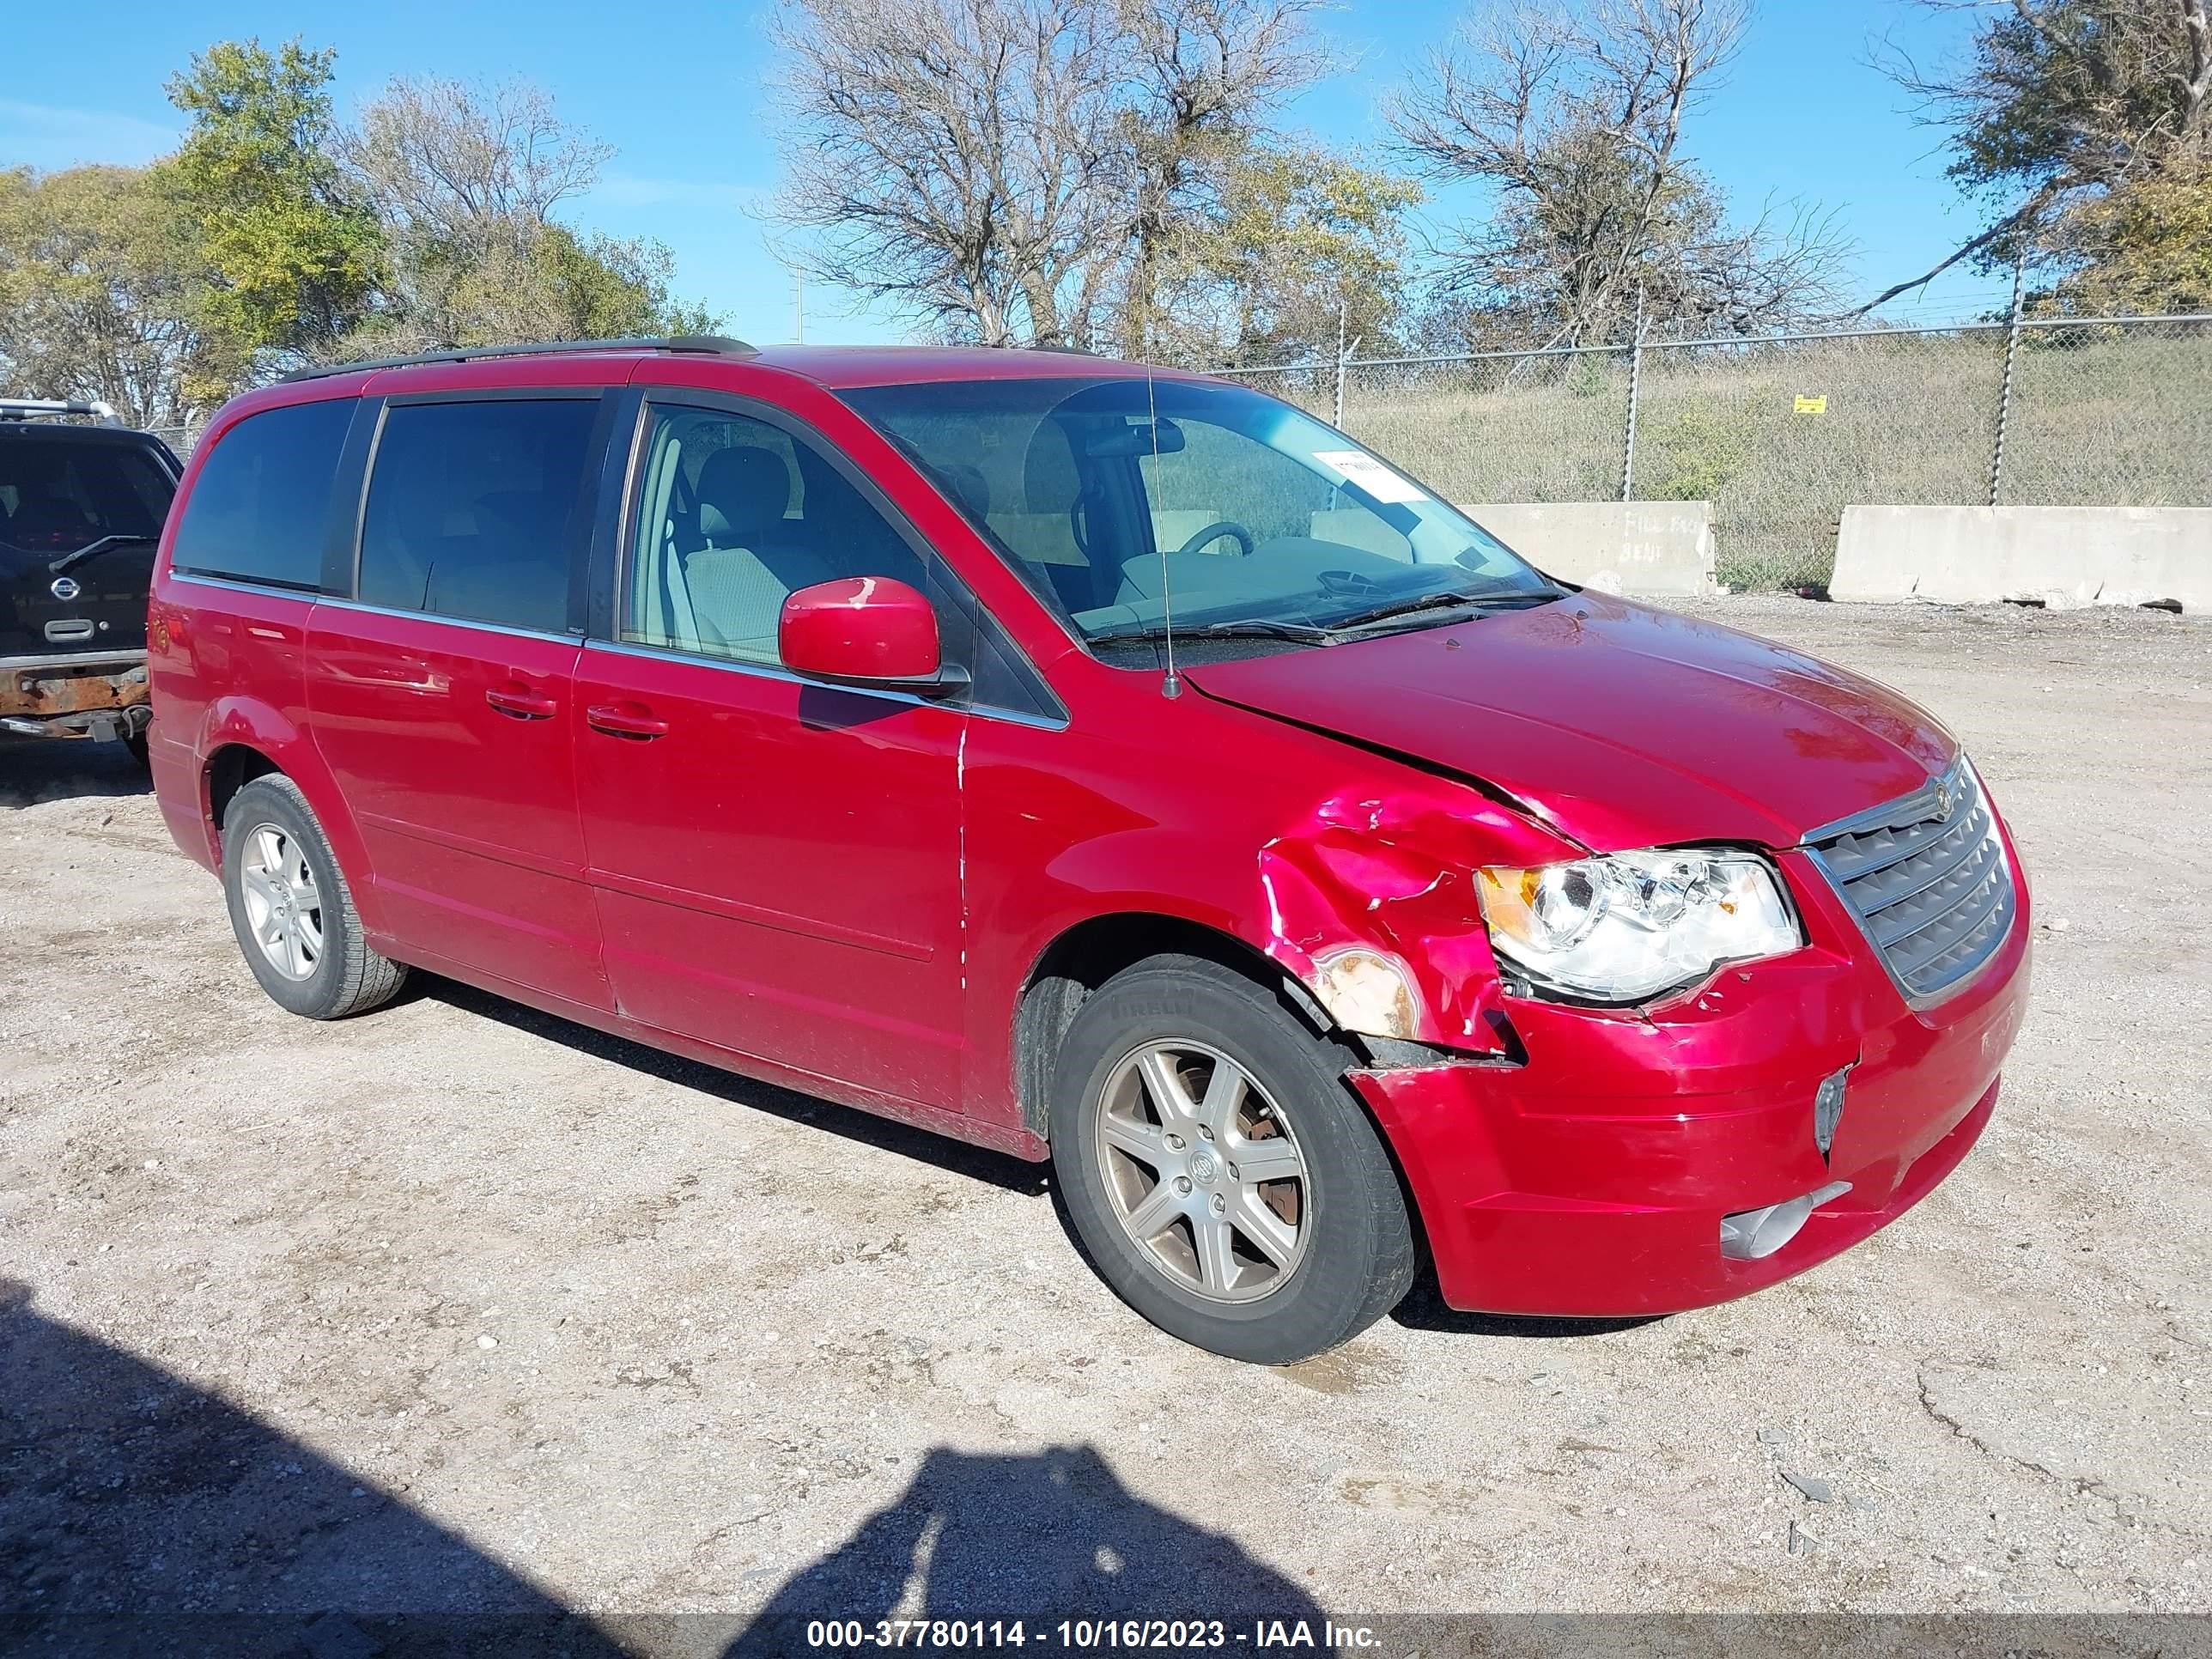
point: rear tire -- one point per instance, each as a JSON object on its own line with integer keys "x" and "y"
{"x": 292, "y": 910}
{"x": 1300, "y": 1247}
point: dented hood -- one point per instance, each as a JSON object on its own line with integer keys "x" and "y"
{"x": 1621, "y": 726}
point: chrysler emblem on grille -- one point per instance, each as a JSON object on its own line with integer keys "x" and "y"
{"x": 1942, "y": 800}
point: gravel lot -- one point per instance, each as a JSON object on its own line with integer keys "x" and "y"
{"x": 456, "y": 1307}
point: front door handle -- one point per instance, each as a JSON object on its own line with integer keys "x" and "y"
{"x": 625, "y": 719}
{"x": 522, "y": 702}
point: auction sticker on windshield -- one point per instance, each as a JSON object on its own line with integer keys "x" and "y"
{"x": 1370, "y": 474}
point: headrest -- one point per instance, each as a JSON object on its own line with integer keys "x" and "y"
{"x": 744, "y": 491}
{"x": 1049, "y": 479}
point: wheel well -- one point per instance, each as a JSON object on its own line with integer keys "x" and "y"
{"x": 1091, "y": 952}
{"x": 230, "y": 768}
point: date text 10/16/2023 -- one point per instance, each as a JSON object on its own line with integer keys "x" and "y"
{"x": 1262, "y": 1636}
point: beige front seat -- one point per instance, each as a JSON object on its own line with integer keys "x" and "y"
{"x": 752, "y": 556}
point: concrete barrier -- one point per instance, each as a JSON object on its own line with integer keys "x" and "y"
{"x": 1655, "y": 549}
{"x": 2061, "y": 555}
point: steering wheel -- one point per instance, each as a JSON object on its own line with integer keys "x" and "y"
{"x": 1215, "y": 531}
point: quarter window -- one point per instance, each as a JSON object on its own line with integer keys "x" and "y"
{"x": 472, "y": 509}
{"x": 732, "y": 517}
{"x": 260, "y": 509}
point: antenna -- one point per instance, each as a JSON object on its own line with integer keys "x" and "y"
{"x": 1170, "y": 687}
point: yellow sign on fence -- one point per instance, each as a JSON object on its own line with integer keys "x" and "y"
{"x": 1813, "y": 405}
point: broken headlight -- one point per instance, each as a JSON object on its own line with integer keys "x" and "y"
{"x": 1626, "y": 926}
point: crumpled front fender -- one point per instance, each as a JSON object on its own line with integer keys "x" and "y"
{"x": 1370, "y": 902}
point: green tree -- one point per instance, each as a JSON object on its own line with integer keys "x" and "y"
{"x": 1288, "y": 241}
{"x": 551, "y": 285}
{"x": 293, "y": 255}
{"x": 2084, "y": 127}
{"x": 273, "y": 236}
{"x": 2146, "y": 246}
{"x": 101, "y": 296}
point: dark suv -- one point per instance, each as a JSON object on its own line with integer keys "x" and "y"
{"x": 81, "y": 513}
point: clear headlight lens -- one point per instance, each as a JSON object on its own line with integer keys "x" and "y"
{"x": 1627, "y": 925}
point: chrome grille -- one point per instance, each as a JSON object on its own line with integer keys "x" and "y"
{"x": 1928, "y": 878}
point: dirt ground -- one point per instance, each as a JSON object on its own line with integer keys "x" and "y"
{"x": 454, "y": 1307}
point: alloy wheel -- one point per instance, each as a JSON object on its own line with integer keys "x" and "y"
{"x": 283, "y": 905}
{"x": 1203, "y": 1171}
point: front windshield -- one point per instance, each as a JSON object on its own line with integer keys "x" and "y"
{"x": 1254, "y": 514}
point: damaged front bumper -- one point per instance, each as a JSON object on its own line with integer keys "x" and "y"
{"x": 102, "y": 695}
{"x": 1628, "y": 1162}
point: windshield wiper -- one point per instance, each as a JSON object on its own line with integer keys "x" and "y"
{"x": 90, "y": 548}
{"x": 1249, "y": 627}
{"x": 1397, "y": 608}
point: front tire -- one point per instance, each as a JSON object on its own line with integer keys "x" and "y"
{"x": 1221, "y": 1177}
{"x": 292, "y": 910}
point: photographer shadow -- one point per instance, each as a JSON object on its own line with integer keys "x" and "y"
{"x": 141, "y": 1514}
{"x": 34, "y": 771}
{"x": 1037, "y": 1537}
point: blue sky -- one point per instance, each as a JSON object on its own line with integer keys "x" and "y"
{"x": 678, "y": 88}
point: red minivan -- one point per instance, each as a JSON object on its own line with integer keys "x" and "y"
{"x": 1110, "y": 765}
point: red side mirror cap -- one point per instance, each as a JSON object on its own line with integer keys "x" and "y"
{"x": 870, "y": 630}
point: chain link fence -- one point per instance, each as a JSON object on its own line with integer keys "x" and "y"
{"x": 1782, "y": 434}
{"x": 178, "y": 438}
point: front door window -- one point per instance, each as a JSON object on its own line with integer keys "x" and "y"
{"x": 733, "y": 518}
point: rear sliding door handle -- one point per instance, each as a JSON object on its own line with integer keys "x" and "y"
{"x": 625, "y": 719}
{"x": 522, "y": 702}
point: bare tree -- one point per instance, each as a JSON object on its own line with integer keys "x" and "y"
{"x": 1016, "y": 169}
{"x": 463, "y": 182}
{"x": 959, "y": 157}
{"x": 467, "y": 165}
{"x": 1574, "y": 118}
{"x": 2059, "y": 103}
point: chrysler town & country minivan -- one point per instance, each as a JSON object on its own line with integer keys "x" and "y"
{"x": 1108, "y": 765}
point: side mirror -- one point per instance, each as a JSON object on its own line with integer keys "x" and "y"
{"x": 869, "y": 630}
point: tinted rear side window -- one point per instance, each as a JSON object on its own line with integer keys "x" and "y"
{"x": 261, "y": 510}
{"x": 471, "y": 508}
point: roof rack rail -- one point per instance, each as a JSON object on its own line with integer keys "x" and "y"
{"x": 711, "y": 345}
{"x": 21, "y": 409}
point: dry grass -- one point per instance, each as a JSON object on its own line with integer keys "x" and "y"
{"x": 2101, "y": 416}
